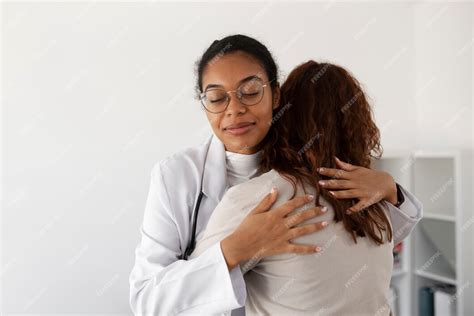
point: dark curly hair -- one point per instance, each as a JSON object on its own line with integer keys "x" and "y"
{"x": 328, "y": 115}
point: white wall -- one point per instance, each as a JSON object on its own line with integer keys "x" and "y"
{"x": 95, "y": 93}
{"x": 443, "y": 87}
{"x": 443, "y": 44}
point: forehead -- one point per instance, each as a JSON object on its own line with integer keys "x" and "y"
{"x": 229, "y": 69}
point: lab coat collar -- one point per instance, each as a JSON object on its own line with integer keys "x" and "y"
{"x": 214, "y": 183}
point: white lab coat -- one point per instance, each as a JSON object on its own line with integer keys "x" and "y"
{"x": 160, "y": 283}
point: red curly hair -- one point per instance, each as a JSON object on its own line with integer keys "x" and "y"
{"x": 330, "y": 116}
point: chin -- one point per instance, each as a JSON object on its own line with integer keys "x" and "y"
{"x": 240, "y": 143}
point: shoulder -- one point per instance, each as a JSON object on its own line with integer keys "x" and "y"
{"x": 255, "y": 189}
{"x": 178, "y": 176}
{"x": 263, "y": 182}
{"x": 184, "y": 161}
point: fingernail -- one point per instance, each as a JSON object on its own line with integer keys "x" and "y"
{"x": 321, "y": 182}
{"x": 320, "y": 169}
{"x": 332, "y": 193}
{"x": 318, "y": 249}
{"x": 273, "y": 190}
{"x": 324, "y": 224}
{"x": 324, "y": 209}
{"x": 348, "y": 212}
{"x": 309, "y": 197}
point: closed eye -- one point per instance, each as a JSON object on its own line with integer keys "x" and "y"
{"x": 218, "y": 100}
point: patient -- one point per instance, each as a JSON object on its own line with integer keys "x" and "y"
{"x": 326, "y": 115}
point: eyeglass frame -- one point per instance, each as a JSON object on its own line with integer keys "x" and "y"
{"x": 228, "y": 95}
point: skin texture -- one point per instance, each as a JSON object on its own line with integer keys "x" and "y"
{"x": 227, "y": 71}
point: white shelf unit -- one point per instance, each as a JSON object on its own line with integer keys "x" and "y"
{"x": 437, "y": 241}
{"x": 432, "y": 253}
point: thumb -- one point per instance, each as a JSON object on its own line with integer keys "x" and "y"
{"x": 362, "y": 204}
{"x": 344, "y": 165}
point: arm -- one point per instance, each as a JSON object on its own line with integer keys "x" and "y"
{"x": 406, "y": 216}
{"x": 160, "y": 284}
{"x": 225, "y": 219}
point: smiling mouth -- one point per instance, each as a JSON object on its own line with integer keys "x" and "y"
{"x": 237, "y": 126}
{"x": 240, "y": 129}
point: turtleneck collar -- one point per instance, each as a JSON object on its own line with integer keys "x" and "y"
{"x": 242, "y": 167}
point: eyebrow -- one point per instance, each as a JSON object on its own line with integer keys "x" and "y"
{"x": 252, "y": 77}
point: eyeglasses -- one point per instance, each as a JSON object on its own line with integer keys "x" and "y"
{"x": 216, "y": 100}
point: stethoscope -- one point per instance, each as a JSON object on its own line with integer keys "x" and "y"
{"x": 192, "y": 238}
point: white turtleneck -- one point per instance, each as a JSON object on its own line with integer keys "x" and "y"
{"x": 241, "y": 167}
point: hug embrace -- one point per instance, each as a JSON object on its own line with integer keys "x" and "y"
{"x": 279, "y": 211}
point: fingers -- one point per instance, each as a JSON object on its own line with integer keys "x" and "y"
{"x": 365, "y": 203}
{"x": 359, "y": 206}
{"x": 297, "y": 248}
{"x": 334, "y": 173}
{"x": 293, "y": 204}
{"x": 267, "y": 202}
{"x": 344, "y": 165}
{"x": 306, "y": 229}
{"x": 302, "y": 216}
{"x": 346, "y": 194}
{"x": 343, "y": 173}
{"x": 336, "y": 184}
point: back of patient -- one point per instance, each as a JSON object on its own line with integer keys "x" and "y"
{"x": 344, "y": 278}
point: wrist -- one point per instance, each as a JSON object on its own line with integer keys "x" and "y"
{"x": 391, "y": 196}
{"x": 230, "y": 253}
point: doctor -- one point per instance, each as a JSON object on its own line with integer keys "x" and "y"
{"x": 186, "y": 187}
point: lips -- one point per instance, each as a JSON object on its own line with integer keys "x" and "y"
{"x": 240, "y": 128}
{"x": 239, "y": 125}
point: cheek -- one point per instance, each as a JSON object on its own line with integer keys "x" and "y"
{"x": 216, "y": 123}
{"x": 214, "y": 120}
{"x": 265, "y": 114}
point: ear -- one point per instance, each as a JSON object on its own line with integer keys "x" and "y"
{"x": 276, "y": 97}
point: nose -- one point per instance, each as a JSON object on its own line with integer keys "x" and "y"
{"x": 235, "y": 106}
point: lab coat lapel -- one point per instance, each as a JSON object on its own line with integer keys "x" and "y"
{"x": 214, "y": 183}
